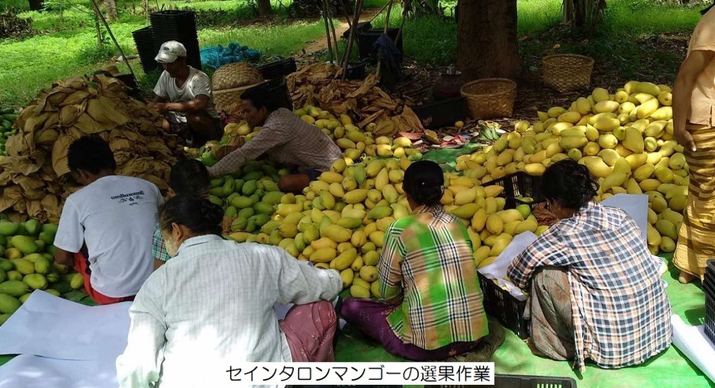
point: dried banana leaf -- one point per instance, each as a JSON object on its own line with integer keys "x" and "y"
{"x": 59, "y": 154}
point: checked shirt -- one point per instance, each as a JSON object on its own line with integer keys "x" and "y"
{"x": 621, "y": 312}
{"x": 427, "y": 264}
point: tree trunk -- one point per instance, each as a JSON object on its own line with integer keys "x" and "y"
{"x": 487, "y": 40}
{"x": 111, "y": 6}
{"x": 264, "y": 7}
{"x": 36, "y": 5}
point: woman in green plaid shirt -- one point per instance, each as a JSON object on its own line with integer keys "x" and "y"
{"x": 188, "y": 176}
{"x": 433, "y": 303}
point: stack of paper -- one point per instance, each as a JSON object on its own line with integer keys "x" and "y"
{"x": 63, "y": 344}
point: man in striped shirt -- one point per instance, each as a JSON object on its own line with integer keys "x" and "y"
{"x": 284, "y": 138}
{"x": 596, "y": 291}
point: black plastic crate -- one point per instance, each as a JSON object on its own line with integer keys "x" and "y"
{"x": 516, "y": 381}
{"x": 361, "y": 27}
{"x": 501, "y": 305}
{"x": 278, "y": 69}
{"x": 520, "y": 184}
{"x": 443, "y": 113}
{"x": 710, "y": 267}
{"x": 710, "y": 317}
{"x": 356, "y": 71}
{"x": 146, "y": 48}
{"x": 367, "y": 38}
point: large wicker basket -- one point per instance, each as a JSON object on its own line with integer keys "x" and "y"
{"x": 229, "y": 100}
{"x": 490, "y": 97}
{"x": 235, "y": 75}
{"x": 567, "y": 72}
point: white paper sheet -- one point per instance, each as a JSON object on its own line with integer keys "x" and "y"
{"x": 497, "y": 269}
{"x": 50, "y": 326}
{"x": 39, "y": 372}
{"x": 695, "y": 345}
{"x": 636, "y": 205}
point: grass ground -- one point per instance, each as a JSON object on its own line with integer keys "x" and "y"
{"x": 637, "y": 39}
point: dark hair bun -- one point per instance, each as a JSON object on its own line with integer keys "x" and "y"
{"x": 569, "y": 183}
{"x": 212, "y": 213}
{"x": 423, "y": 182}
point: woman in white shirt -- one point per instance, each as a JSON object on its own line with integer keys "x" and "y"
{"x": 210, "y": 308}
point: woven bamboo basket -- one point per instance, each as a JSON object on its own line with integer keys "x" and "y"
{"x": 228, "y": 100}
{"x": 490, "y": 97}
{"x": 567, "y": 72}
{"x": 235, "y": 75}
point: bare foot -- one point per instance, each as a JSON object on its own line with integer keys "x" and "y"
{"x": 686, "y": 278}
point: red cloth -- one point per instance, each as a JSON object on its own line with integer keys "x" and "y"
{"x": 310, "y": 329}
{"x": 82, "y": 266}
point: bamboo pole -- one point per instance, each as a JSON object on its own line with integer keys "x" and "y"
{"x": 332, "y": 29}
{"x": 111, "y": 35}
{"x": 327, "y": 34}
{"x": 356, "y": 19}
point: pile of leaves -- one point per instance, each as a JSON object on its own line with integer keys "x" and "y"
{"x": 34, "y": 175}
{"x": 321, "y": 85}
{"x": 12, "y": 26}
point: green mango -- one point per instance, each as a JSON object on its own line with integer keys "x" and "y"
{"x": 230, "y": 186}
{"x": 239, "y": 224}
{"x": 3, "y": 241}
{"x": 53, "y": 277}
{"x": 217, "y": 182}
{"x": 77, "y": 281}
{"x": 218, "y": 192}
{"x": 9, "y": 304}
{"x": 241, "y": 202}
{"x": 3, "y": 276}
{"x": 51, "y": 250}
{"x": 216, "y": 200}
{"x": 42, "y": 265}
{"x": 36, "y": 281}
{"x": 230, "y": 211}
{"x": 49, "y": 228}
{"x": 238, "y": 184}
{"x": 32, "y": 227}
{"x": 14, "y": 288}
{"x": 47, "y": 237}
{"x": 23, "y": 266}
{"x": 4, "y": 318}
{"x": 251, "y": 225}
{"x": 40, "y": 245}
{"x": 2, "y": 250}
{"x": 25, "y": 244}
{"x": 253, "y": 176}
{"x": 24, "y": 298}
{"x": 270, "y": 186}
{"x": 6, "y": 265}
{"x": 52, "y": 292}
{"x": 255, "y": 198}
{"x": 262, "y": 219}
{"x": 14, "y": 275}
{"x": 273, "y": 197}
{"x": 9, "y": 228}
{"x": 249, "y": 188}
{"x": 247, "y": 213}
{"x": 263, "y": 208}
{"x": 33, "y": 257}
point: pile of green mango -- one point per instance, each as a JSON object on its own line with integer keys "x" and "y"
{"x": 27, "y": 264}
{"x": 7, "y": 118}
{"x": 250, "y": 195}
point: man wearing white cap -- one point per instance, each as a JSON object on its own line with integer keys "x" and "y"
{"x": 183, "y": 97}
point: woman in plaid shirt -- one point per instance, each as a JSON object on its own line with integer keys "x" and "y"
{"x": 596, "y": 291}
{"x": 433, "y": 304}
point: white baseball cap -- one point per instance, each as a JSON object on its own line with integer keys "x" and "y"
{"x": 169, "y": 51}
